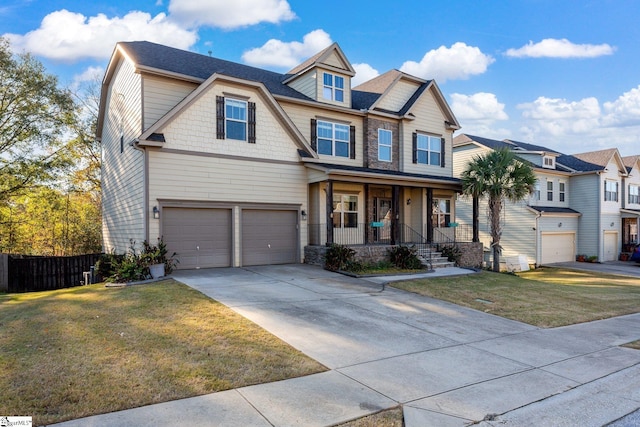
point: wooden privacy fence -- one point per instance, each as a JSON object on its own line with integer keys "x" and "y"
{"x": 33, "y": 273}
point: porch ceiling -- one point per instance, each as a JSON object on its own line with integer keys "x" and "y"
{"x": 376, "y": 176}
{"x": 630, "y": 213}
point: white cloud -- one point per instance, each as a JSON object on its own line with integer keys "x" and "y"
{"x": 458, "y": 62}
{"x": 364, "y": 72}
{"x": 229, "y": 14}
{"x": 478, "y": 114}
{"x": 560, "y": 48}
{"x": 624, "y": 111}
{"x": 89, "y": 75}
{"x": 554, "y": 116}
{"x": 276, "y": 53}
{"x": 69, "y": 36}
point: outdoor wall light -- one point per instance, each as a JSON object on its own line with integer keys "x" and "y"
{"x": 156, "y": 213}
{"x": 612, "y": 224}
{"x": 559, "y": 224}
{"x": 408, "y": 201}
{"x": 303, "y": 214}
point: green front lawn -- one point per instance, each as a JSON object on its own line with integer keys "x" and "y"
{"x": 88, "y": 350}
{"x": 545, "y": 297}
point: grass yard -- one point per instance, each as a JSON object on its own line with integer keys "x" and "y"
{"x": 76, "y": 352}
{"x": 389, "y": 418}
{"x": 545, "y": 297}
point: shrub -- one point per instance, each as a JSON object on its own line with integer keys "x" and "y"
{"x": 338, "y": 257}
{"x": 452, "y": 252}
{"x": 134, "y": 266}
{"x": 158, "y": 255}
{"x": 404, "y": 257}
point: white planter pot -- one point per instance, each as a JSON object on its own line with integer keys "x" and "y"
{"x": 156, "y": 270}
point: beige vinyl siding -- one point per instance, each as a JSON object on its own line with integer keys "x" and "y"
{"x": 464, "y": 155}
{"x": 123, "y": 183}
{"x": 334, "y": 61}
{"x": 398, "y": 96}
{"x": 302, "y": 115}
{"x": 306, "y": 84}
{"x": 586, "y": 197}
{"x": 233, "y": 182}
{"x": 429, "y": 119}
{"x": 632, "y": 179}
{"x": 161, "y": 95}
{"x": 194, "y": 129}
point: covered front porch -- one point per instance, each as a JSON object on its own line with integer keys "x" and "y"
{"x": 360, "y": 206}
{"x": 630, "y": 227}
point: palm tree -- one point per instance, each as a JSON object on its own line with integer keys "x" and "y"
{"x": 498, "y": 175}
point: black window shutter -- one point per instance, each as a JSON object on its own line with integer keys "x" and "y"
{"x": 252, "y": 123}
{"x": 314, "y": 135}
{"x": 443, "y": 144}
{"x": 415, "y": 147}
{"x": 220, "y": 117}
{"x": 352, "y": 142}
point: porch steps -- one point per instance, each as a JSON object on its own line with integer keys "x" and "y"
{"x": 437, "y": 260}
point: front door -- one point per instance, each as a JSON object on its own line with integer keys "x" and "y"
{"x": 382, "y": 223}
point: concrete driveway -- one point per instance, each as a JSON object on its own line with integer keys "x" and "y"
{"x": 447, "y": 365}
{"x": 624, "y": 268}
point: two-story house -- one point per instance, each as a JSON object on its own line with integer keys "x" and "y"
{"x": 234, "y": 165}
{"x": 581, "y": 204}
{"x": 543, "y": 227}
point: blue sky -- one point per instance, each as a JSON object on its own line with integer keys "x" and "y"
{"x": 563, "y": 74}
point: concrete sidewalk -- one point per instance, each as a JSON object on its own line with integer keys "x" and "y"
{"x": 447, "y": 365}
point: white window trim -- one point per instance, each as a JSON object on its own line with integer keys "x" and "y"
{"x": 333, "y": 87}
{"x": 334, "y": 140}
{"x": 342, "y": 211}
{"x": 428, "y": 149}
{"x": 549, "y": 191}
{"x": 562, "y": 192}
{"x": 611, "y": 196}
{"x": 230, "y": 119}
{"x": 390, "y": 145}
{"x": 634, "y": 198}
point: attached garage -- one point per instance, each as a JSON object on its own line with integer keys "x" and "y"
{"x": 610, "y": 246}
{"x": 269, "y": 236}
{"x": 201, "y": 237}
{"x": 558, "y": 247}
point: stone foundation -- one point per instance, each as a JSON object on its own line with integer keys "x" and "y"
{"x": 472, "y": 254}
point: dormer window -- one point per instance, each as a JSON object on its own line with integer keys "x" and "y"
{"x": 333, "y": 87}
{"x": 549, "y": 162}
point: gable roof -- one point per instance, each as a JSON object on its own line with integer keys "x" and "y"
{"x": 602, "y": 158}
{"x": 319, "y": 59}
{"x": 630, "y": 162}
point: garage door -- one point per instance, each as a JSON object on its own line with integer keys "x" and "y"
{"x": 201, "y": 238}
{"x": 610, "y": 246}
{"x": 269, "y": 237}
{"x": 558, "y": 247}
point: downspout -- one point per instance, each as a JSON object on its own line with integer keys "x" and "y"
{"x": 145, "y": 187}
{"x": 538, "y": 237}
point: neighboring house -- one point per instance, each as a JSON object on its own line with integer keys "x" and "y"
{"x": 234, "y": 165}
{"x": 577, "y": 206}
{"x": 631, "y": 203}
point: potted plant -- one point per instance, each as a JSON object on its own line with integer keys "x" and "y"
{"x": 592, "y": 258}
{"x": 156, "y": 259}
{"x": 581, "y": 258}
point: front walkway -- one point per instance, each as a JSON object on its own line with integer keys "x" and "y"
{"x": 447, "y": 365}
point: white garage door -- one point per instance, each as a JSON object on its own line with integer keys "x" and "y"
{"x": 201, "y": 238}
{"x": 610, "y": 246}
{"x": 558, "y": 247}
{"x": 269, "y": 237}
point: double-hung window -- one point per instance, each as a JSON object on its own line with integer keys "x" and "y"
{"x": 235, "y": 119}
{"x": 384, "y": 145}
{"x": 345, "y": 211}
{"x": 550, "y": 191}
{"x": 561, "y": 191}
{"x": 536, "y": 191}
{"x": 333, "y": 139}
{"x": 333, "y": 87}
{"x": 634, "y": 194}
{"x": 611, "y": 191}
{"x": 428, "y": 149}
{"x": 441, "y": 212}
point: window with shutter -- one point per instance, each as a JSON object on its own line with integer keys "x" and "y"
{"x": 428, "y": 149}
{"x": 333, "y": 139}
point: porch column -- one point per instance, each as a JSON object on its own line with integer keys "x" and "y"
{"x": 430, "y": 215}
{"x": 329, "y": 211}
{"x": 395, "y": 213}
{"x": 367, "y": 217}
{"x": 476, "y": 222}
